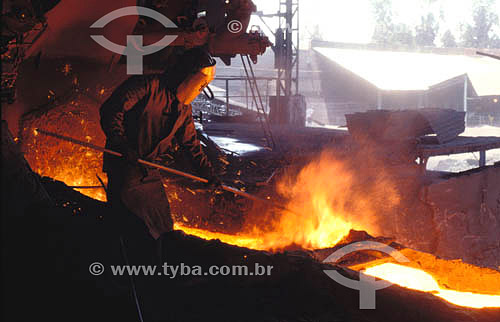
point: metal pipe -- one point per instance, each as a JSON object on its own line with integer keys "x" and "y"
{"x": 488, "y": 55}
{"x": 227, "y": 97}
{"x": 161, "y": 167}
{"x": 466, "y": 83}
{"x": 86, "y": 187}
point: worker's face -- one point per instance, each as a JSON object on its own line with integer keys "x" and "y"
{"x": 194, "y": 85}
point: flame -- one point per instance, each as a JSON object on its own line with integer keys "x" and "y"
{"x": 328, "y": 196}
{"x": 324, "y": 210}
{"x": 324, "y": 194}
{"x": 321, "y": 196}
{"x": 419, "y": 280}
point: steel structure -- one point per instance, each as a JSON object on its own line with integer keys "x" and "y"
{"x": 289, "y": 24}
{"x": 286, "y": 47}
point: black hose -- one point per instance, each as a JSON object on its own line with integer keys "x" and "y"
{"x": 211, "y": 96}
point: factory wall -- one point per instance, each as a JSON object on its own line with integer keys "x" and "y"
{"x": 457, "y": 217}
{"x": 467, "y": 216}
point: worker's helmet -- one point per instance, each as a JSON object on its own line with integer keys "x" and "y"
{"x": 192, "y": 72}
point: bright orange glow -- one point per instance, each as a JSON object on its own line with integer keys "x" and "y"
{"x": 313, "y": 228}
{"x": 63, "y": 161}
{"x": 275, "y": 240}
{"x": 324, "y": 194}
{"x": 252, "y": 242}
{"x": 419, "y": 280}
{"x": 75, "y": 170}
{"x": 320, "y": 194}
{"x": 324, "y": 210}
{"x": 329, "y": 197}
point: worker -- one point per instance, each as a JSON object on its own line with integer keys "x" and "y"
{"x": 141, "y": 119}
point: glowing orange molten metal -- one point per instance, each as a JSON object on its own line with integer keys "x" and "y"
{"x": 321, "y": 196}
{"x": 419, "y": 280}
{"x": 329, "y": 198}
{"x": 326, "y": 204}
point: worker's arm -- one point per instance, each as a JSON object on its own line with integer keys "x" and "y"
{"x": 112, "y": 112}
{"x": 188, "y": 139}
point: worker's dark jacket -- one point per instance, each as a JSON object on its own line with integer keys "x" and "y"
{"x": 145, "y": 115}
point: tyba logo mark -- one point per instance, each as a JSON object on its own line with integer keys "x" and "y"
{"x": 134, "y": 49}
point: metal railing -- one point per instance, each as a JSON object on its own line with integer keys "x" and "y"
{"x": 245, "y": 97}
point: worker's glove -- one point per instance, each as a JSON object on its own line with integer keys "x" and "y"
{"x": 128, "y": 153}
{"x": 131, "y": 156}
{"x": 214, "y": 183}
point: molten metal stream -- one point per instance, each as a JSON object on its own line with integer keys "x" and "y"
{"x": 419, "y": 280}
{"x": 321, "y": 193}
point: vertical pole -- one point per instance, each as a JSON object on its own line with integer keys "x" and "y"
{"x": 289, "y": 48}
{"x": 277, "y": 107}
{"x": 298, "y": 50}
{"x": 466, "y": 83}
{"x": 246, "y": 92}
{"x": 227, "y": 97}
{"x": 379, "y": 99}
{"x": 482, "y": 158}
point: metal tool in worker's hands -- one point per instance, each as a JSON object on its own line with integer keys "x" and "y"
{"x": 161, "y": 167}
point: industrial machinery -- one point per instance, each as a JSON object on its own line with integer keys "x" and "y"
{"x": 219, "y": 25}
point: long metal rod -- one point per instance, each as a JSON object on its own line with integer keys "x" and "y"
{"x": 86, "y": 187}
{"x": 488, "y": 55}
{"x": 161, "y": 167}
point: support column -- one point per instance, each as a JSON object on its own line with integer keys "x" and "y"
{"x": 482, "y": 158}
{"x": 227, "y": 97}
{"x": 466, "y": 84}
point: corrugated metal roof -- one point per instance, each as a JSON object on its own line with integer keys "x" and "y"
{"x": 389, "y": 70}
{"x": 447, "y": 124}
{"x": 405, "y": 125}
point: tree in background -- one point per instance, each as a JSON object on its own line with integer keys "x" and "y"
{"x": 387, "y": 33}
{"x": 495, "y": 42}
{"x": 449, "y": 40}
{"x": 479, "y": 34}
{"x": 426, "y": 32}
{"x": 403, "y": 36}
{"x": 384, "y": 27}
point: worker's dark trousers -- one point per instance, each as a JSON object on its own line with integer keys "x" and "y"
{"x": 143, "y": 194}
